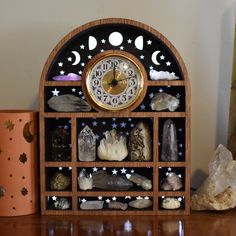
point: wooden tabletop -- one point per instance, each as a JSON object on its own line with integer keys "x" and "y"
{"x": 198, "y": 223}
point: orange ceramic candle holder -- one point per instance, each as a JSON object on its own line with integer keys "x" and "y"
{"x": 18, "y": 162}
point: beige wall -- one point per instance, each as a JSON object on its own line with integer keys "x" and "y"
{"x": 201, "y": 30}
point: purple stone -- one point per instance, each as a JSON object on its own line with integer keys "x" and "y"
{"x": 69, "y": 77}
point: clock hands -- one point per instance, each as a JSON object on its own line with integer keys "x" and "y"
{"x": 114, "y": 82}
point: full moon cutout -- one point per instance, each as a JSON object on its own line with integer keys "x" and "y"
{"x": 154, "y": 57}
{"x": 77, "y": 58}
{"x": 139, "y": 42}
{"x": 115, "y": 38}
{"x": 92, "y": 42}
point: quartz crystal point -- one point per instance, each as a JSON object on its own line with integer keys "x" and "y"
{"x": 218, "y": 191}
{"x": 140, "y": 143}
{"x": 163, "y": 101}
{"x": 62, "y": 204}
{"x": 169, "y": 151}
{"x": 68, "y": 103}
{"x": 84, "y": 180}
{"x": 87, "y": 145}
{"x": 113, "y": 147}
{"x": 102, "y": 180}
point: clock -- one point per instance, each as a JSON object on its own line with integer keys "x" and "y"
{"x": 114, "y": 80}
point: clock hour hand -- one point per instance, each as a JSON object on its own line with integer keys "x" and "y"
{"x": 114, "y": 82}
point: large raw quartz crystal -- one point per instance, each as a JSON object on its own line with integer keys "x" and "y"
{"x": 218, "y": 191}
{"x": 113, "y": 147}
{"x": 140, "y": 143}
{"x": 169, "y": 151}
{"x": 87, "y": 145}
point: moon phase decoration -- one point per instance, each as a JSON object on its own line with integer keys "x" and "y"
{"x": 26, "y": 132}
{"x": 77, "y": 58}
{"x": 154, "y": 57}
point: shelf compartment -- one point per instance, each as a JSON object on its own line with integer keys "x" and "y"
{"x": 58, "y": 202}
{"x": 178, "y": 198}
{"x": 57, "y": 139}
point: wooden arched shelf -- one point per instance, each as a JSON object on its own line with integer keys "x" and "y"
{"x": 60, "y": 62}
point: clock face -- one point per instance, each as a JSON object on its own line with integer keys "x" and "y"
{"x": 114, "y": 81}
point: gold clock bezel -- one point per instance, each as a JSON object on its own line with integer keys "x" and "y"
{"x": 116, "y": 53}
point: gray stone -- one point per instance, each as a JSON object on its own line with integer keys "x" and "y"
{"x": 169, "y": 151}
{"x": 102, "y": 180}
{"x": 172, "y": 182}
{"x": 140, "y": 143}
{"x": 163, "y": 101}
{"x": 140, "y": 203}
{"x": 59, "y": 181}
{"x": 62, "y": 203}
{"x": 92, "y": 205}
{"x": 218, "y": 191}
{"x": 86, "y": 145}
{"x": 117, "y": 205}
{"x": 68, "y": 103}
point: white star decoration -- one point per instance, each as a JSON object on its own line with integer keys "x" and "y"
{"x": 123, "y": 171}
{"x": 73, "y": 90}
{"x": 129, "y": 41}
{"x": 142, "y": 57}
{"x": 62, "y": 72}
{"x": 80, "y": 72}
{"x": 151, "y": 95}
{"x": 146, "y": 198}
{"x": 60, "y": 64}
{"x": 100, "y": 198}
{"x": 114, "y": 198}
{"x": 95, "y": 169}
{"x": 60, "y": 168}
{"x": 142, "y": 107}
{"x": 149, "y": 42}
{"x": 82, "y": 64}
{"x": 82, "y": 46}
{"x": 104, "y": 168}
{"x": 102, "y": 50}
{"x": 114, "y": 172}
{"x": 162, "y": 57}
{"x": 121, "y": 48}
{"x": 69, "y": 58}
{"x": 180, "y": 176}
{"x": 132, "y": 171}
{"x": 180, "y": 199}
{"x": 89, "y": 56}
{"x": 123, "y": 124}
{"x": 83, "y": 200}
{"x": 139, "y": 198}
{"x": 169, "y": 169}
{"x": 114, "y": 125}
{"x": 103, "y": 41}
{"x": 151, "y": 67}
{"x": 55, "y": 92}
{"x": 108, "y": 200}
{"x": 127, "y": 197}
{"x": 168, "y": 63}
{"x": 160, "y": 90}
{"x": 54, "y": 198}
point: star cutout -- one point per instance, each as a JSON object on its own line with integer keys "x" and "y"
{"x": 114, "y": 119}
{"x": 104, "y": 168}
{"x": 82, "y": 64}
{"x": 142, "y": 107}
{"x": 103, "y": 41}
{"x": 130, "y": 119}
{"x": 151, "y": 67}
{"x": 123, "y": 124}
{"x": 114, "y": 172}
{"x": 60, "y": 64}
{"x": 55, "y": 92}
{"x": 114, "y": 125}
{"x": 168, "y": 63}
{"x": 123, "y": 171}
{"x": 160, "y": 90}
{"x": 97, "y": 137}
{"x": 162, "y": 57}
{"x": 180, "y": 199}
{"x": 167, "y": 173}
{"x": 23, "y": 158}
{"x": 108, "y": 200}
{"x": 95, "y": 169}
{"x": 114, "y": 199}
{"x": 100, "y": 198}
{"x": 132, "y": 171}
{"x": 83, "y": 200}
{"x": 60, "y": 168}
{"x": 104, "y": 122}
{"x": 132, "y": 125}
{"x": 89, "y": 56}
{"x": 138, "y": 198}
{"x": 180, "y": 176}
{"x": 142, "y": 57}
{"x": 73, "y": 90}
{"x": 9, "y": 125}
{"x": 149, "y": 42}
{"x": 169, "y": 169}
{"x": 147, "y": 198}
{"x": 70, "y": 168}
{"x": 95, "y": 123}
{"x": 129, "y": 41}
{"x": 82, "y": 46}
{"x": 127, "y": 197}
{"x": 128, "y": 176}
{"x": 180, "y": 130}
{"x": 180, "y": 145}
{"x": 151, "y": 95}
{"x": 62, "y": 72}
{"x": 162, "y": 197}
{"x": 69, "y": 58}
{"x": 80, "y": 92}
{"x": 178, "y": 95}
{"x": 80, "y": 72}
{"x": 127, "y": 133}
{"x": 83, "y": 124}
{"x": 180, "y": 153}
{"x": 66, "y": 126}
{"x": 102, "y": 50}
{"x": 121, "y": 48}
{"x": 54, "y": 198}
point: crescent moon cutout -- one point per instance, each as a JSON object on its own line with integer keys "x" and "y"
{"x": 154, "y": 57}
{"x": 26, "y": 132}
{"x": 92, "y": 42}
{"x": 77, "y": 58}
{"x": 139, "y": 42}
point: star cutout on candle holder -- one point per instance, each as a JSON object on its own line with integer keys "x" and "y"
{"x": 55, "y": 92}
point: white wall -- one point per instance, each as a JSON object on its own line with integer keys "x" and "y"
{"x": 201, "y": 30}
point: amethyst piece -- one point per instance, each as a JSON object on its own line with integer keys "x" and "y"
{"x": 69, "y": 77}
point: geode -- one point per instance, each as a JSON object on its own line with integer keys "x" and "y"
{"x": 140, "y": 143}
{"x": 62, "y": 203}
{"x": 102, "y": 180}
{"x": 86, "y": 145}
{"x": 169, "y": 150}
{"x": 163, "y": 101}
{"x": 113, "y": 147}
{"x": 68, "y": 103}
{"x": 59, "y": 181}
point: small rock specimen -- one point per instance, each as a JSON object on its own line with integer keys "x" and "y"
{"x": 117, "y": 205}
{"x": 169, "y": 151}
{"x": 140, "y": 203}
{"x": 144, "y": 182}
{"x": 60, "y": 145}
{"x": 218, "y": 191}
{"x": 162, "y": 75}
{"x": 92, "y": 205}
{"x": 69, "y": 77}
{"x": 62, "y": 203}
{"x": 113, "y": 147}
{"x": 84, "y": 180}
{"x": 163, "y": 101}
{"x": 87, "y": 145}
{"x": 102, "y": 180}
{"x": 170, "y": 203}
{"x": 68, "y": 103}
{"x": 140, "y": 143}
{"x": 172, "y": 182}
{"x": 59, "y": 181}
